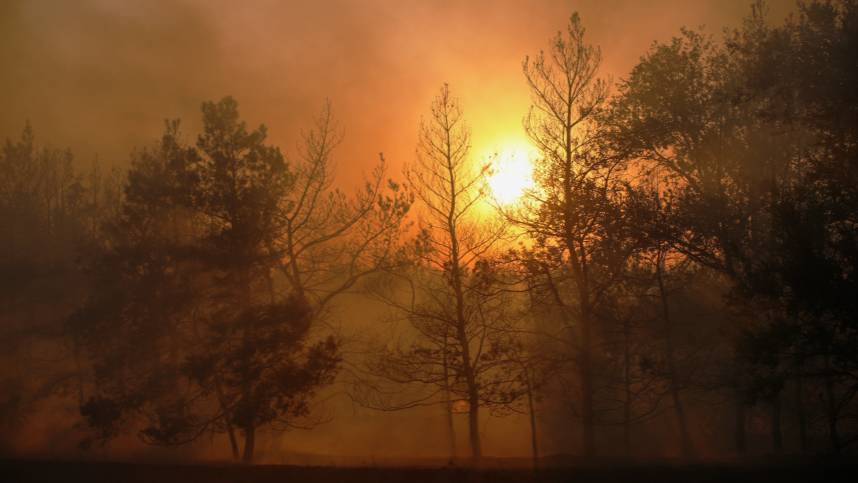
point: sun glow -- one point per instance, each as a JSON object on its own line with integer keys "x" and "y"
{"x": 511, "y": 173}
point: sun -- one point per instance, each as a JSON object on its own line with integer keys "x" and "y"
{"x": 511, "y": 173}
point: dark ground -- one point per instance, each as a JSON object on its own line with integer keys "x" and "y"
{"x": 23, "y": 471}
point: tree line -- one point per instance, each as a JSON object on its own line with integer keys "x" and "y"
{"x": 683, "y": 268}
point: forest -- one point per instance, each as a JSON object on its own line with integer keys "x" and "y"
{"x": 672, "y": 276}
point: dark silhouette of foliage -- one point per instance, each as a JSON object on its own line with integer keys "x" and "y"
{"x": 185, "y": 327}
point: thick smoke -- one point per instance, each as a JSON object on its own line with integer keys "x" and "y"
{"x": 100, "y": 76}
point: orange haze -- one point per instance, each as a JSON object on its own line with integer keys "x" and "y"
{"x": 99, "y": 76}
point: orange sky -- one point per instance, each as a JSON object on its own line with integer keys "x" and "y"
{"x": 99, "y": 76}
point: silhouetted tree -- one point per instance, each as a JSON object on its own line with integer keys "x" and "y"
{"x": 47, "y": 209}
{"x": 572, "y": 214}
{"x": 327, "y": 241}
{"x": 453, "y": 301}
{"x": 749, "y": 142}
{"x": 186, "y": 335}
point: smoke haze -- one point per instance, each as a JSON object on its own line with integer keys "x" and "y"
{"x": 122, "y": 68}
{"x": 101, "y": 76}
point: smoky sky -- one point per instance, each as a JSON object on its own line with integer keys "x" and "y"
{"x": 100, "y": 76}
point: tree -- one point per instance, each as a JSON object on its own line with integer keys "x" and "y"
{"x": 186, "y": 335}
{"x": 749, "y": 141}
{"x": 47, "y": 208}
{"x": 661, "y": 272}
{"x": 453, "y": 301}
{"x": 572, "y": 215}
{"x": 328, "y": 242}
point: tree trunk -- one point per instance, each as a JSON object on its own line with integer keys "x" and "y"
{"x": 474, "y": 424}
{"x": 739, "y": 434}
{"x": 461, "y": 322}
{"x": 470, "y": 378}
{"x": 800, "y": 414}
{"x": 233, "y": 443}
{"x": 586, "y": 373}
{"x": 578, "y": 262}
{"x": 249, "y": 428}
{"x": 534, "y": 442}
{"x": 679, "y": 408}
{"x": 79, "y": 371}
{"x": 777, "y": 434}
{"x": 831, "y": 409}
{"x": 230, "y": 431}
{"x": 627, "y": 383}
{"x": 451, "y": 429}
{"x": 448, "y": 405}
{"x": 249, "y": 444}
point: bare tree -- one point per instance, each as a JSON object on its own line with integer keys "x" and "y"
{"x": 569, "y": 212}
{"x": 452, "y": 300}
{"x": 329, "y": 241}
